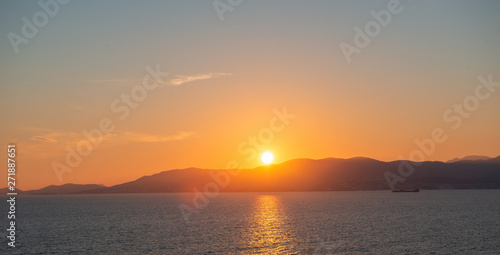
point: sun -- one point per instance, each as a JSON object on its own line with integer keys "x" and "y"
{"x": 267, "y": 157}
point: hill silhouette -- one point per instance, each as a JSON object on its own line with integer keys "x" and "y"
{"x": 468, "y": 158}
{"x": 68, "y": 188}
{"x": 330, "y": 174}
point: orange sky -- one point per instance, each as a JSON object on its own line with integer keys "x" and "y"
{"x": 227, "y": 78}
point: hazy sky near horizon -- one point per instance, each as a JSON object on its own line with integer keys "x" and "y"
{"x": 226, "y": 77}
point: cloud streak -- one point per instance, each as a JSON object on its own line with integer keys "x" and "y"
{"x": 176, "y": 81}
{"x": 52, "y": 136}
{"x": 116, "y": 138}
{"x": 53, "y": 143}
{"x": 146, "y": 138}
{"x": 181, "y": 79}
{"x": 43, "y": 139}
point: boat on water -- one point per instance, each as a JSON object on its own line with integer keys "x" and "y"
{"x": 406, "y": 190}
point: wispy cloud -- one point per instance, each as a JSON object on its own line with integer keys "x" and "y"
{"x": 71, "y": 138}
{"x": 43, "y": 139}
{"x": 115, "y": 81}
{"x": 176, "y": 81}
{"x": 146, "y": 138}
{"x": 48, "y": 143}
{"x": 181, "y": 79}
{"x": 53, "y": 136}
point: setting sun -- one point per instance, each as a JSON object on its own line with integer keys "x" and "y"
{"x": 267, "y": 157}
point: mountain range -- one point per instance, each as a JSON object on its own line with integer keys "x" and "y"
{"x": 329, "y": 174}
{"x": 468, "y": 158}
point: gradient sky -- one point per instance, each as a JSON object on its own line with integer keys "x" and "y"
{"x": 226, "y": 77}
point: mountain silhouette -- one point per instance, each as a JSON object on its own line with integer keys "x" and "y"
{"x": 68, "y": 188}
{"x": 329, "y": 174}
{"x": 468, "y": 158}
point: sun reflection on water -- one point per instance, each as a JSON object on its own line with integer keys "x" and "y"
{"x": 268, "y": 232}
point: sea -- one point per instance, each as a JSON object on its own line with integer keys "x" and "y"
{"x": 351, "y": 222}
